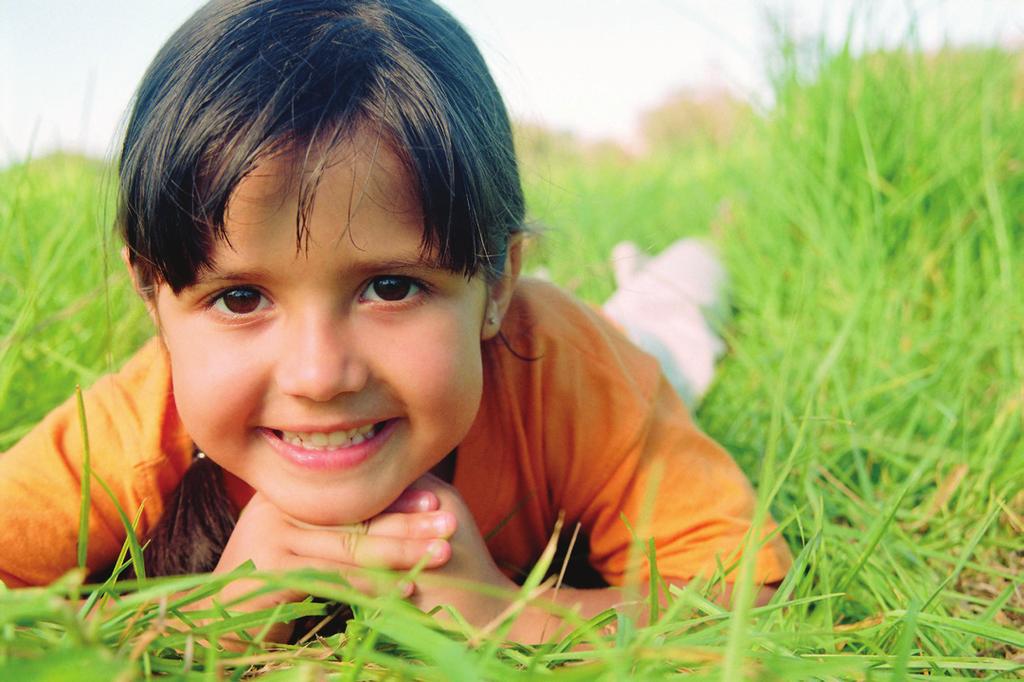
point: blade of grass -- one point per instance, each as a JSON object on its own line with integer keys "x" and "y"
{"x": 138, "y": 563}
{"x": 86, "y": 478}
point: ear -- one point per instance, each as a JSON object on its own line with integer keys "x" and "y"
{"x": 148, "y": 297}
{"x": 499, "y": 293}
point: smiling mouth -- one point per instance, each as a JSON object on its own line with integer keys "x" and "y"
{"x": 333, "y": 440}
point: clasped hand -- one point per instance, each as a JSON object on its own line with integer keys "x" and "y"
{"x": 428, "y": 523}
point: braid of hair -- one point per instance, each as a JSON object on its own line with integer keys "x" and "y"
{"x": 195, "y": 526}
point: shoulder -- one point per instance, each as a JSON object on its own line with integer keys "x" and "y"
{"x": 565, "y": 395}
{"x": 138, "y": 447}
{"x": 564, "y": 336}
{"x": 138, "y": 401}
{"x": 562, "y": 367}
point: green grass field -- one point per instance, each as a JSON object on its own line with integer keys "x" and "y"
{"x": 873, "y": 388}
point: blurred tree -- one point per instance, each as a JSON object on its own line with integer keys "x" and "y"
{"x": 709, "y": 116}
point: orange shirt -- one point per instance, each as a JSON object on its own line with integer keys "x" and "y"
{"x": 574, "y": 418}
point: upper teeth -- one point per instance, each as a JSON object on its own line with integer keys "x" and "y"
{"x": 319, "y": 440}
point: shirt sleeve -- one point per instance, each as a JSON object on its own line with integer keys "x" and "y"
{"x": 138, "y": 447}
{"x": 674, "y": 484}
{"x": 622, "y": 453}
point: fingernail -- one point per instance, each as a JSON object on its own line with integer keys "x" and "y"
{"x": 444, "y": 524}
{"x": 406, "y": 588}
{"x": 436, "y": 549}
{"x": 427, "y": 501}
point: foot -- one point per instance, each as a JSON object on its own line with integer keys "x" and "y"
{"x": 671, "y": 305}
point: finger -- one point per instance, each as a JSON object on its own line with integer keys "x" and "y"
{"x": 435, "y": 524}
{"x": 373, "y": 584}
{"x": 368, "y": 551}
{"x": 414, "y": 500}
{"x": 448, "y": 497}
{"x": 438, "y": 524}
{"x": 428, "y": 483}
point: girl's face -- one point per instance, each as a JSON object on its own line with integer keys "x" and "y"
{"x": 332, "y": 377}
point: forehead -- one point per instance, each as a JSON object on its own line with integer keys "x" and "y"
{"x": 361, "y": 173}
{"x": 352, "y": 205}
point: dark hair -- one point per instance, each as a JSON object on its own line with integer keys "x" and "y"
{"x": 195, "y": 525}
{"x": 243, "y": 80}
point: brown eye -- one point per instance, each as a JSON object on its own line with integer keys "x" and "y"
{"x": 390, "y": 288}
{"x": 239, "y": 301}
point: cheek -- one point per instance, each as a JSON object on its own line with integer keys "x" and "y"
{"x": 214, "y": 385}
{"x": 440, "y": 371}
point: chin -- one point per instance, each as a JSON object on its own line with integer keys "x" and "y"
{"x": 324, "y": 510}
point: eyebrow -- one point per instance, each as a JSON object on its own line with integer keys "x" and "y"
{"x": 213, "y": 275}
{"x": 398, "y": 264}
{"x": 362, "y": 267}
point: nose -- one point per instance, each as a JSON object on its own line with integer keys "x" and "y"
{"x": 320, "y": 358}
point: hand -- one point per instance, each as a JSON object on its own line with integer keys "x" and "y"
{"x": 398, "y": 538}
{"x": 470, "y": 561}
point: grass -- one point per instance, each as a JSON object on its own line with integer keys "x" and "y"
{"x": 871, "y": 223}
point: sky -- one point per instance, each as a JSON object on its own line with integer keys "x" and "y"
{"x": 68, "y": 67}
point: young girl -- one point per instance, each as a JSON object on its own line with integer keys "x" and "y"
{"x": 322, "y": 212}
